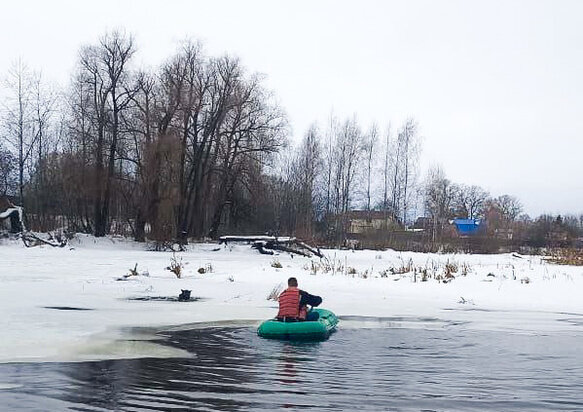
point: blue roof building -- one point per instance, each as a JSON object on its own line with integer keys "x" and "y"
{"x": 467, "y": 227}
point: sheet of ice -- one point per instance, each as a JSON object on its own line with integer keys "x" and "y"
{"x": 68, "y": 304}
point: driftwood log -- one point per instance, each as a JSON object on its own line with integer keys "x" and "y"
{"x": 30, "y": 239}
{"x": 268, "y": 244}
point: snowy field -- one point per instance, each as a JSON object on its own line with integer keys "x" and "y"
{"x": 68, "y": 304}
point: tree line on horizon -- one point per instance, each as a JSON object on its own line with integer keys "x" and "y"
{"x": 199, "y": 147}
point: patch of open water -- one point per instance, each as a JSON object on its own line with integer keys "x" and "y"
{"x": 368, "y": 364}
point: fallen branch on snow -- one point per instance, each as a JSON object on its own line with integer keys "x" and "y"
{"x": 30, "y": 239}
{"x": 267, "y": 244}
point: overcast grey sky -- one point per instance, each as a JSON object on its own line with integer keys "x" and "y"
{"x": 496, "y": 86}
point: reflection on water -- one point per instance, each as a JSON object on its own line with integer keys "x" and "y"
{"x": 286, "y": 367}
{"x": 358, "y": 368}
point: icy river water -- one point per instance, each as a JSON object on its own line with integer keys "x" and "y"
{"x": 429, "y": 366}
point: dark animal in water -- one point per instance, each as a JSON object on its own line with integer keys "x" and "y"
{"x": 184, "y": 295}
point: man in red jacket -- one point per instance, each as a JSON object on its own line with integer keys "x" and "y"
{"x": 293, "y": 303}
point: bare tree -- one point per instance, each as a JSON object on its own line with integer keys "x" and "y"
{"x": 254, "y": 129}
{"x": 328, "y": 160}
{"x": 408, "y": 158}
{"x": 509, "y": 206}
{"x": 44, "y": 134}
{"x": 17, "y": 121}
{"x": 105, "y": 71}
{"x": 201, "y": 102}
{"x": 471, "y": 201}
{"x": 347, "y": 160}
{"x": 78, "y": 161}
{"x": 308, "y": 167}
{"x": 387, "y": 168}
{"x": 370, "y": 146}
{"x": 160, "y": 182}
{"x": 400, "y": 167}
{"x": 141, "y": 126}
{"x": 396, "y": 175}
{"x": 440, "y": 196}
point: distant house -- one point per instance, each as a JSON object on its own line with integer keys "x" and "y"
{"x": 369, "y": 221}
{"x": 467, "y": 227}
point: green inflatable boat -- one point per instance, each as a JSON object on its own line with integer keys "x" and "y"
{"x": 300, "y": 331}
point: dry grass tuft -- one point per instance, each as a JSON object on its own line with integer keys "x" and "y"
{"x": 275, "y": 292}
{"x": 175, "y": 265}
{"x": 572, "y": 257}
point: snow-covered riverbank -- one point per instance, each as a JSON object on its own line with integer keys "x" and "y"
{"x": 68, "y": 304}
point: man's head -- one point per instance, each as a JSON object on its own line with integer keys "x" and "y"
{"x": 292, "y": 282}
